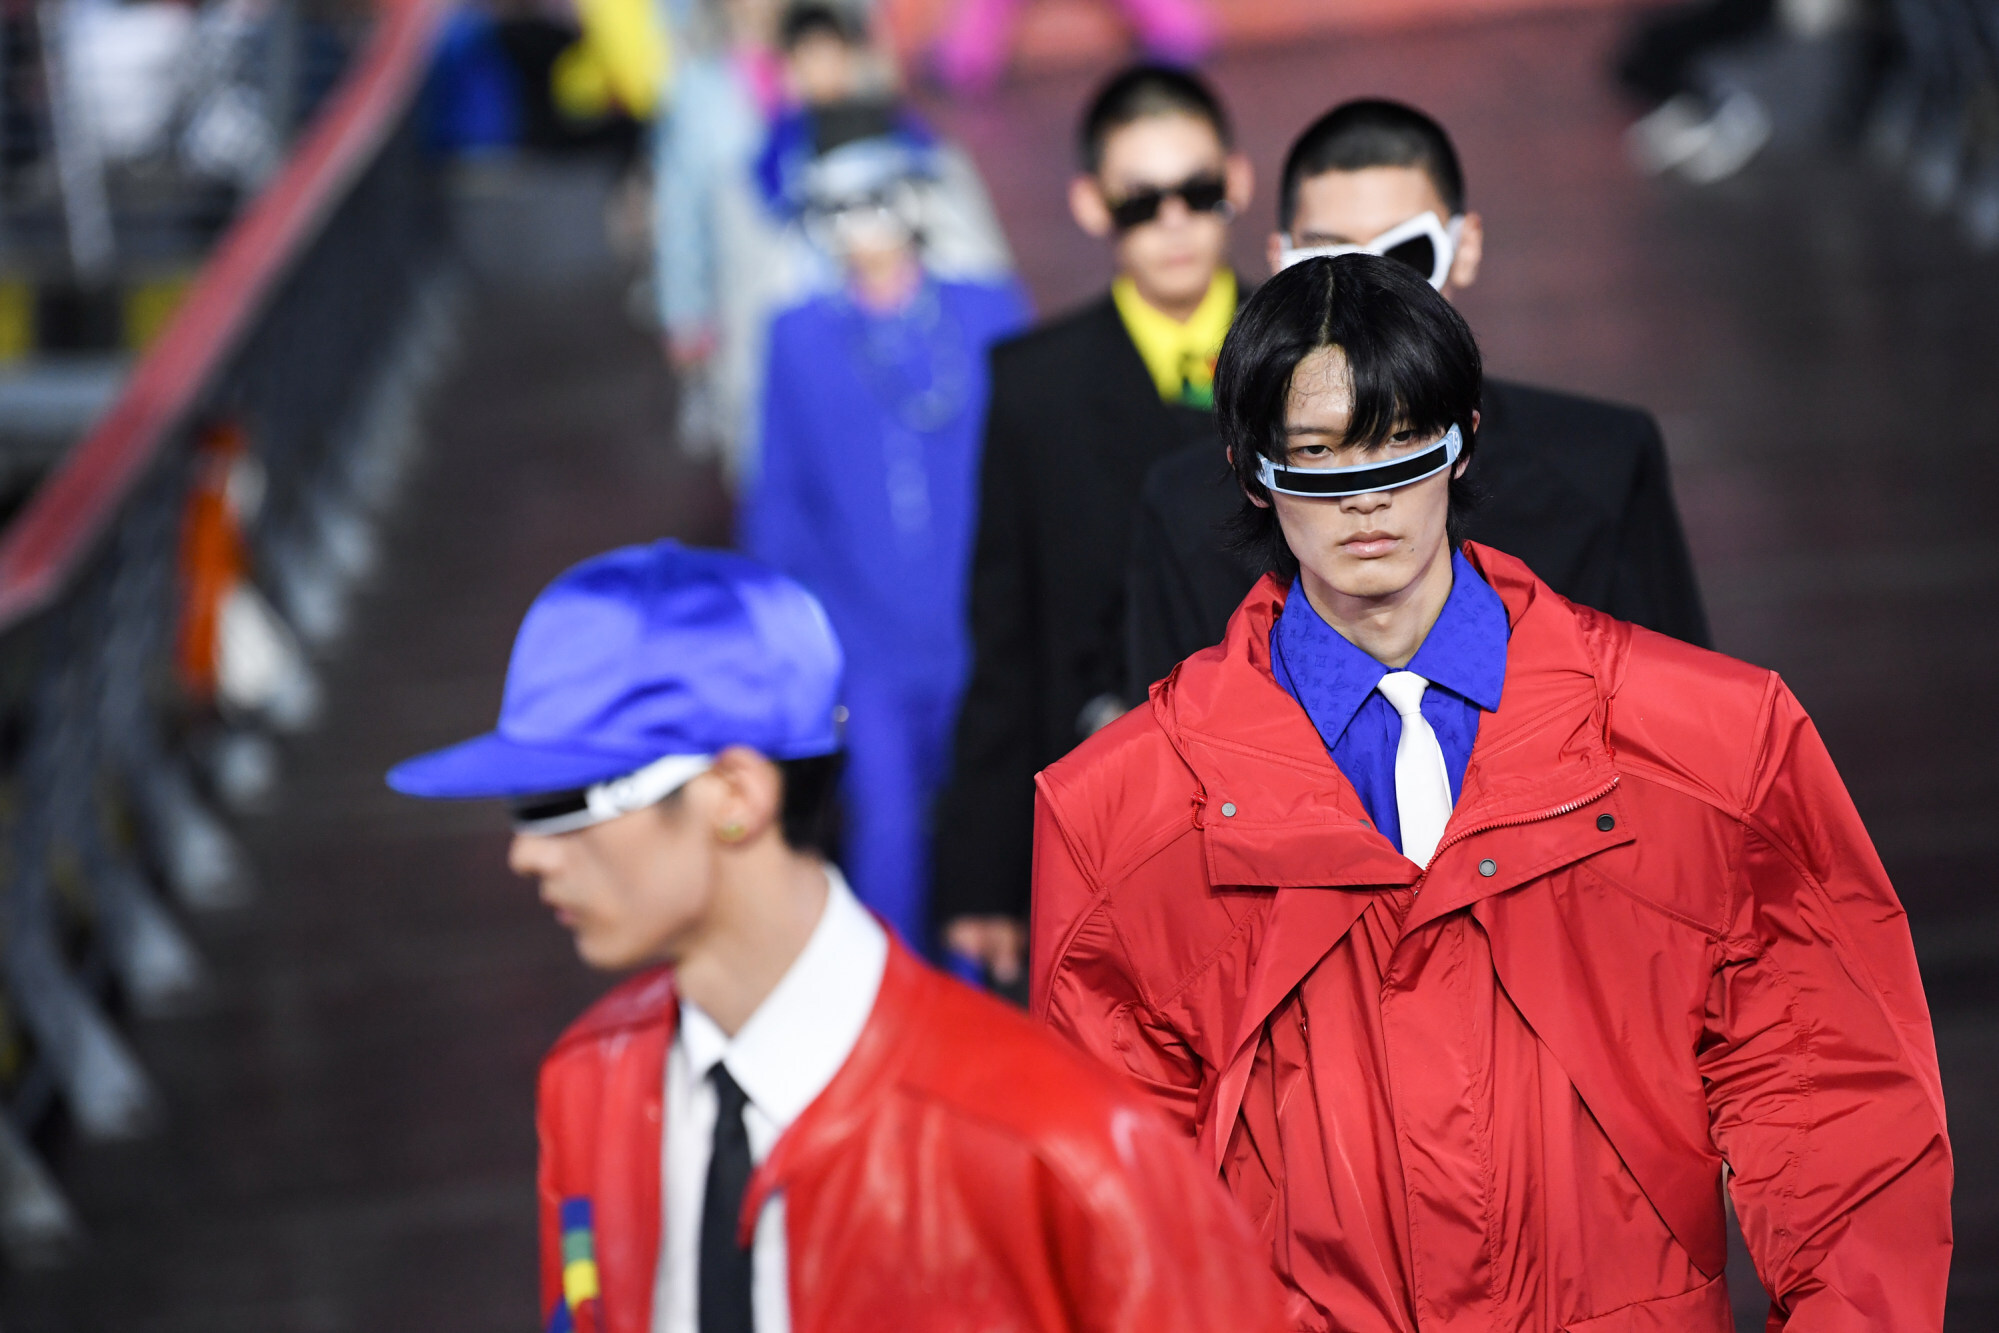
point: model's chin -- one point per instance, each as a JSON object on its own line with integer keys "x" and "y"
{"x": 1183, "y": 279}
{"x": 603, "y": 951}
{"x": 1369, "y": 576}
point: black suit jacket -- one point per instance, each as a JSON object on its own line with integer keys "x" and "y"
{"x": 1074, "y": 425}
{"x": 1576, "y": 488}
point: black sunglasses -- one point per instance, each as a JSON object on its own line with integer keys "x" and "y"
{"x": 1201, "y": 194}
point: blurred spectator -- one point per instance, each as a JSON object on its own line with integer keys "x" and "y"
{"x": 513, "y": 76}
{"x": 866, "y": 491}
{"x": 732, "y": 246}
{"x": 718, "y": 252}
{"x": 621, "y": 61}
{"x": 1703, "y": 132}
{"x": 842, "y": 88}
{"x": 1578, "y": 489}
{"x": 1081, "y": 408}
{"x": 472, "y": 97}
{"x": 971, "y": 54}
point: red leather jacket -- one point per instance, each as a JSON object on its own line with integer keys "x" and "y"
{"x": 1500, "y": 1093}
{"x": 963, "y": 1170}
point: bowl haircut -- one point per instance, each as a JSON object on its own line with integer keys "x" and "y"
{"x": 1370, "y": 132}
{"x": 1412, "y": 358}
{"x": 1140, "y": 92}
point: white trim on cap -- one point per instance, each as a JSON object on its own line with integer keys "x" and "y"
{"x": 621, "y": 796}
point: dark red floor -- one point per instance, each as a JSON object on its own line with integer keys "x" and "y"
{"x": 351, "y": 1146}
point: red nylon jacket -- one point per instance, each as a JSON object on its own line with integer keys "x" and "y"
{"x": 1500, "y": 1093}
{"x": 963, "y": 1171}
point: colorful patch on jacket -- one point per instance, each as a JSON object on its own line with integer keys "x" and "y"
{"x": 579, "y": 1270}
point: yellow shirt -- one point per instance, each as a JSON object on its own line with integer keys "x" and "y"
{"x": 1180, "y": 356}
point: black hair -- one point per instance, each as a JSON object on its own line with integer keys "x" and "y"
{"x": 838, "y": 124}
{"x": 815, "y": 18}
{"x": 809, "y": 816}
{"x": 1412, "y": 358}
{"x": 1142, "y": 91}
{"x": 1371, "y": 132}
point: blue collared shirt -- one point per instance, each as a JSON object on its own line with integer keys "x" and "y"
{"x": 1463, "y": 658}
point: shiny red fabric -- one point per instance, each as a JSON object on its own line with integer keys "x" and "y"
{"x": 1500, "y": 1093}
{"x": 963, "y": 1171}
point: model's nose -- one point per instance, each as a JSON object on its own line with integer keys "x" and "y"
{"x": 528, "y": 855}
{"x": 1367, "y": 502}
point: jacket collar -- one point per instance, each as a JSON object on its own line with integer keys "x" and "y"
{"x": 1464, "y": 653}
{"x": 1274, "y": 810}
{"x": 1122, "y": 381}
{"x": 835, "y": 1116}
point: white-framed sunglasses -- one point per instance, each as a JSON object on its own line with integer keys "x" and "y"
{"x": 1425, "y": 243}
{"x": 566, "y": 811}
{"x": 1326, "y": 483}
{"x": 894, "y": 214}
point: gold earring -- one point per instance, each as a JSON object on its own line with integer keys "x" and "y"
{"x": 732, "y": 832}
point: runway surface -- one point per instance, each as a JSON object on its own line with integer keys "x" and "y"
{"x": 351, "y": 1144}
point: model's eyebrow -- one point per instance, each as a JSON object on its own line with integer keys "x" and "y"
{"x": 1127, "y": 185}
{"x": 1311, "y": 238}
{"x": 1314, "y": 430}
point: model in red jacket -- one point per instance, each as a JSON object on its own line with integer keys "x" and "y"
{"x": 1653, "y": 952}
{"x": 961, "y": 1172}
{"x": 794, "y": 1124}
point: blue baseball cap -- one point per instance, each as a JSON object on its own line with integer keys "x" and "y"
{"x": 643, "y": 653}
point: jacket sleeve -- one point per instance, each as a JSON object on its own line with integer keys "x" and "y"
{"x": 985, "y": 816}
{"x": 1654, "y": 583}
{"x": 1820, "y": 1063}
{"x": 684, "y": 173}
{"x": 1149, "y": 1244}
{"x": 1080, "y": 982}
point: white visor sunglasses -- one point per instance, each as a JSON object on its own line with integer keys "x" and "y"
{"x": 1425, "y": 243}
{"x": 567, "y": 811}
{"x": 1325, "y": 483}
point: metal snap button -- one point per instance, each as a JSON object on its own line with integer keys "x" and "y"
{"x": 1488, "y": 867}
{"x": 1228, "y": 809}
{"x": 1605, "y": 823}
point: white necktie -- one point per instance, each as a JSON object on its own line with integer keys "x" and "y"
{"x": 1422, "y": 783}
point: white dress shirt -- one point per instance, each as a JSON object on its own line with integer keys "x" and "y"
{"x": 782, "y": 1058}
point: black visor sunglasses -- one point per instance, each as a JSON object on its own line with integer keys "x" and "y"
{"x": 1201, "y": 194}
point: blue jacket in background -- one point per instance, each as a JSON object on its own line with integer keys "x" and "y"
{"x": 868, "y": 493}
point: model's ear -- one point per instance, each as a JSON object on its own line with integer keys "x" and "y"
{"x": 740, "y": 797}
{"x": 1241, "y": 178}
{"x": 1087, "y": 206}
{"x": 1471, "y": 249}
{"x": 1248, "y": 494}
{"x": 1464, "y": 460}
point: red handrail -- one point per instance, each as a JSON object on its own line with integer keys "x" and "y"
{"x": 49, "y": 539}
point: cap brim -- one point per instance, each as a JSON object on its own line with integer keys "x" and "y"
{"x": 492, "y": 766}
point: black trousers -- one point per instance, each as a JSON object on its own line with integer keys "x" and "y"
{"x": 1663, "y": 48}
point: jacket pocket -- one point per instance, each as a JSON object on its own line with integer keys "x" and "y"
{"x": 1701, "y": 1310}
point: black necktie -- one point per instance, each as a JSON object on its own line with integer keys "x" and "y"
{"x": 723, "y": 1305}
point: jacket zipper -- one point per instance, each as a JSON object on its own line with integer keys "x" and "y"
{"x": 1560, "y": 810}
